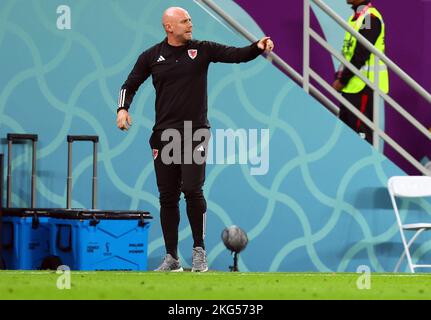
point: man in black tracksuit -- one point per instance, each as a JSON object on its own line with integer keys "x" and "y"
{"x": 362, "y": 100}
{"x": 179, "y": 66}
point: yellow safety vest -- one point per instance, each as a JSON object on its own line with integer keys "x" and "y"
{"x": 355, "y": 84}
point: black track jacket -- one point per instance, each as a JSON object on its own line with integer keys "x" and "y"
{"x": 180, "y": 79}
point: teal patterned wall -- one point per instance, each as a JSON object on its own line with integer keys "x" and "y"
{"x": 322, "y": 204}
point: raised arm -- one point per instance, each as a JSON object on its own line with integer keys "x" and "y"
{"x": 223, "y": 53}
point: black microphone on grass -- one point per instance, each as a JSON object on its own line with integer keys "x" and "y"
{"x": 235, "y": 240}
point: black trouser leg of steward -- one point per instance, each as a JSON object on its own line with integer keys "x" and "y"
{"x": 364, "y": 102}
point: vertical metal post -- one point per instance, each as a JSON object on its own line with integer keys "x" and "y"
{"x": 69, "y": 176}
{"x": 33, "y": 176}
{"x": 306, "y": 47}
{"x": 94, "y": 199}
{"x": 376, "y": 102}
{"x": 9, "y": 174}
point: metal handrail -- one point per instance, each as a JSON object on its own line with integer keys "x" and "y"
{"x": 297, "y": 77}
{"x": 391, "y": 65}
{"x": 386, "y": 97}
{"x": 308, "y": 73}
{"x": 370, "y": 124}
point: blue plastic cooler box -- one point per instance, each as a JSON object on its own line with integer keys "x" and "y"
{"x": 100, "y": 240}
{"x": 25, "y": 238}
{"x": 24, "y": 233}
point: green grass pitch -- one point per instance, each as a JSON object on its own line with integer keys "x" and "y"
{"x": 212, "y": 286}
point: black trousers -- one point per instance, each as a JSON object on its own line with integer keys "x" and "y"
{"x": 180, "y": 176}
{"x": 364, "y": 102}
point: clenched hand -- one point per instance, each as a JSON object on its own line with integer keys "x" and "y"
{"x": 266, "y": 44}
{"x": 124, "y": 120}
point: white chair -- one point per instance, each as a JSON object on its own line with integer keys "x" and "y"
{"x": 409, "y": 187}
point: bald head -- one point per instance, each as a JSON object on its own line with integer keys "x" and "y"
{"x": 172, "y": 13}
{"x": 178, "y": 25}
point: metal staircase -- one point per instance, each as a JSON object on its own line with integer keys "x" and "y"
{"x": 309, "y": 74}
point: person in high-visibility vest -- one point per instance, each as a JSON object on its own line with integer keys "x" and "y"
{"x": 368, "y": 21}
